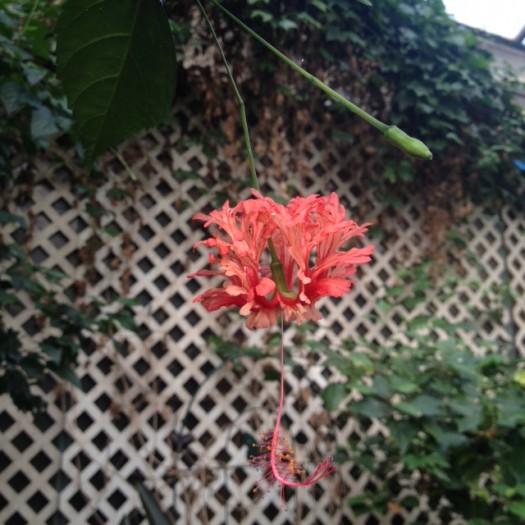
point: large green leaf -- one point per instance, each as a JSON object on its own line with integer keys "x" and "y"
{"x": 116, "y": 59}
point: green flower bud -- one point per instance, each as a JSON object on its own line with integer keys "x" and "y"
{"x": 408, "y": 144}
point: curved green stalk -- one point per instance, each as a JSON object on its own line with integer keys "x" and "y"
{"x": 399, "y": 138}
{"x": 240, "y": 102}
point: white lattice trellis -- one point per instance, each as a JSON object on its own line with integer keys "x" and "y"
{"x": 165, "y": 409}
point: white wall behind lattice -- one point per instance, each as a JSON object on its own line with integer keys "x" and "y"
{"x": 166, "y": 409}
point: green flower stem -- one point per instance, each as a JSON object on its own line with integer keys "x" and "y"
{"x": 400, "y": 139}
{"x": 240, "y": 102}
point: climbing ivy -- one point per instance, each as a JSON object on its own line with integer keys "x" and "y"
{"x": 439, "y": 84}
{"x": 33, "y": 113}
{"x": 32, "y": 106}
{"x": 48, "y": 346}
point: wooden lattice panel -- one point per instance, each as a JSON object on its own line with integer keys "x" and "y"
{"x": 514, "y": 252}
{"x": 165, "y": 409}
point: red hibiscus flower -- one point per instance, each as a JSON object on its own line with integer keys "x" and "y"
{"x": 279, "y": 259}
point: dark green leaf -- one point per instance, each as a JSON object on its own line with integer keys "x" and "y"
{"x": 250, "y": 442}
{"x": 408, "y": 409}
{"x": 52, "y": 275}
{"x": 427, "y": 405}
{"x": 125, "y": 319}
{"x": 43, "y": 123}
{"x": 319, "y": 4}
{"x": 518, "y": 509}
{"x": 404, "y": 386}
{"x": 287, "y": 24}
{"x": 33, "y": 367}
{"x": 341, "y": 456}
{"x": 432, "y": 460}
{"x": 30, "y": 285}
{"x": 128, "y": 301}
{"x": 7, "y": 298}
{"x": 471, "y": 421}
{"x": 54, "y": 353}
{"x": 420, "y": 321}
{"x": 395, "y": 291}
{"x": 11, "y": 346}
{"x": 381, "y": 386}
{"x": 359, "y": 504}
{"x": 333, "y": 394}
{"x": 315, "y": 345}
{"x": 511, "y": 410}
{"x": 65, "y": 373}
{"x": 402, "y": 432}
{"x": 11, "y": 95}
{"x": 270, "y": 374}
{"x": 263, "y": 15}
{"x": 118, "y": 194}
{"x": 361, "y": 361}
{"x": 116, "y": 59}
{"x": 6, "y": 217}
{"x": 94, "y": 210}
{"x": 444, "y": 437}
{"x": 33, "y": 73}
{"x": 411, "y": 302}
{"x": 410, "y": 502}
{"x": 371, "y": 407}
{"x": 111, "y": 232}
{"x": 520, "y": 489}
{"x": 383, "y": 306}
{"x": 363, "y": 389}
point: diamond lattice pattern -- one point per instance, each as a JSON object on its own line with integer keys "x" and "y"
{"x": 163, "y": 408}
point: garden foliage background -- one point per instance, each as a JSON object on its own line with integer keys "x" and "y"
{"x": 157, "y": 403}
